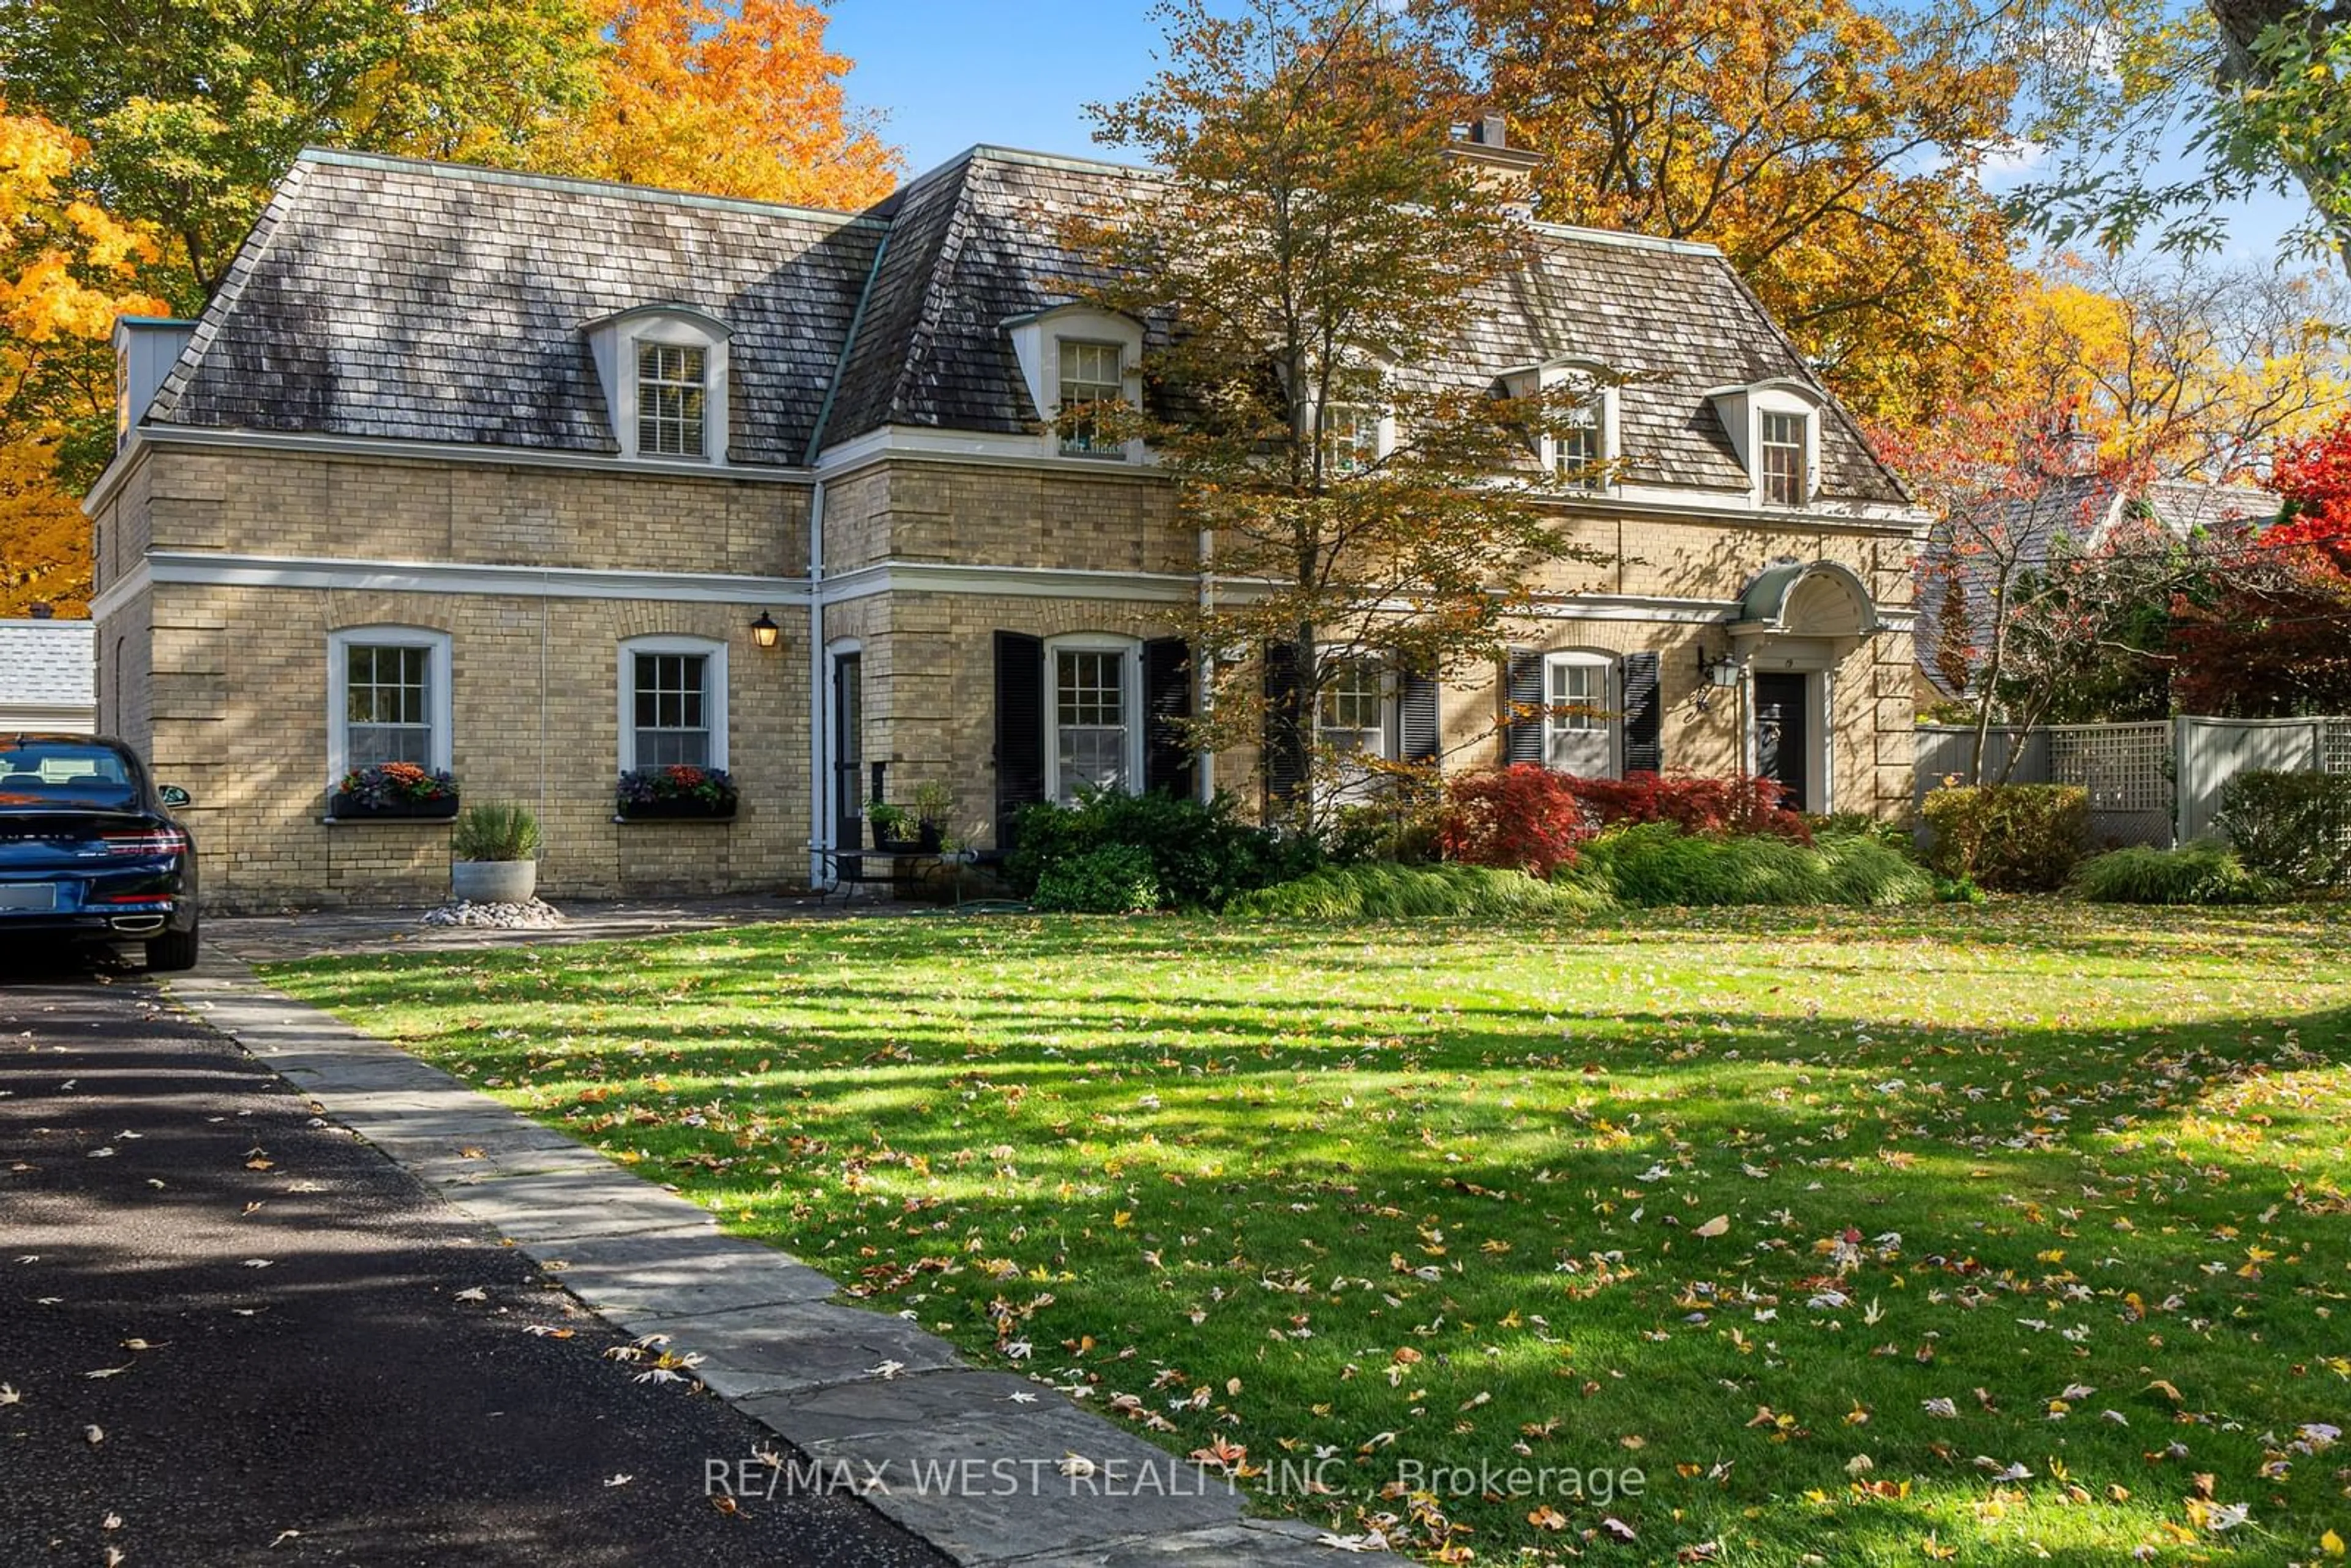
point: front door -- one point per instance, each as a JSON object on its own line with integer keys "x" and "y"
{"x": 1783, "y": 739}
{"x": 848, "y": 750}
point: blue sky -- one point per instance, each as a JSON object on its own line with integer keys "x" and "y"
{"x": 949, "y": 73}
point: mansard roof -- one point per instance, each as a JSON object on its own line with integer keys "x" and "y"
{"x": 387, "y": 296}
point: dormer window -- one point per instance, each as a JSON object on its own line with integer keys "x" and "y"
{"x": 1579, "y": 445}
{"x": 663, "y": 368}
{"x": 672, "y": 400}
{"x": 1351, "y": 440}
{"x": 1075, "y": 358}
{"x": 1092, "y": 376}
{"x": 1775, "y": 430}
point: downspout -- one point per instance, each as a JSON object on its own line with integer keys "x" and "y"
{"x": 1204, "y": 677}
{"x": 820, "y": 830}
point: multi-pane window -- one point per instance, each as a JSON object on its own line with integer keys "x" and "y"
{"x": 1351, "y": 440}
{"x": 1091, "y": 375}
{"x": 1089, "y": 720}
{"x": 671, "y": 724}
{"x": 387, "y": 705}
{"x": 1783, "y": 459}
{"x": 1575, "y": 725}
{"x": 672, "y": 396}
{"x": 1351, "y": 708}
{"x": 1576, "y": 447}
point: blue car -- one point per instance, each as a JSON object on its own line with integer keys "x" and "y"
{"x": 89, "y": 848}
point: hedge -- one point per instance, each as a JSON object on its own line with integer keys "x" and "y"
{"x": 2011, "y": 838}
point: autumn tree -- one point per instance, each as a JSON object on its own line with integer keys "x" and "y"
{"x": 2273, "y": 638}
{"x": 2187, "y": 370}
{"x": 1319, "y": 253}
{"x": 192, "y": 109}
{"x": 739, "y": 99}
{"x": 66, "y": 270}
{"x": 1830, "y": 150}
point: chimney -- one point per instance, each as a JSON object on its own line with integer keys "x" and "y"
{"x": 1485, "y": 144}
{"x": 42, "y": 611}
{"x": 145, "y": 350}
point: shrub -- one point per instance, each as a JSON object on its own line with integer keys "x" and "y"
{"x": 1657, "y": 865}
{"x": 1894, "y": 835}
{"x": 1386, "y": 892}
{"x": 1198, "y": 856}
{"x": 2295, "y": 827}
{"x": 498, "y": 831}
{"x": 1521, "y": 818}
{"x": 2205, "y": 871}
{"x": 2012, "y": 838}
{"x": 1694, "y": 803}
{"x": 1957, "y": 890}
{"x": 1114, "y": 879}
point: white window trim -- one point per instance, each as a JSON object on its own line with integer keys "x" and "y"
{"x": 1601, "y": 384}
{"x": 1391, "y": 693}
{"x": 714, "y": 692}
{"x": 437, "y": 687}
{"x": 615, "y": 341}
{"x": 1037, "y": 339}
{"x": 1611, "y": 723}
{"x": 1384, "y": 440}
{"x": 1130, "y": 701}
{"x": 1741, "y": 409}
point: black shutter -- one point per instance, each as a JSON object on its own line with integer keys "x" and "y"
{"x": 1285, "y": 723}
{"x": 1645, "y": 750}
{"x": 1166, "y": 704}
{"x": 1019, "y": 727}
{"x": 1523, "y": 688}
{"x": 1416, "y": 716}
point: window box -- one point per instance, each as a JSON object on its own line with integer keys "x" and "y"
{"x": 345, "y": 807}
{"x": 683, "y": 809}
{"x": 679, "y": 792}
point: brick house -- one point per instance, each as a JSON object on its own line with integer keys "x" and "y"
{"x": 498, "y": 472}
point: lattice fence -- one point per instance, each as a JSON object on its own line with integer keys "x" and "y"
{"x": 2128, "y": 771}
{"x": 2335, "y": 745}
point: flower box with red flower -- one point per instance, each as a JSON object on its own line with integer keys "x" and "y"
{"x": 394, "y": 790}
{"x": 674, "y": 793}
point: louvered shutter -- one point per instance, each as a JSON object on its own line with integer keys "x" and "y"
{"x": 1167, "y": 760}
{"x": 1522, "y": 687}
{"x": 1416, "y": 716}
{"x": 1286, "y": 723}
{"x": 1020, "y": 728}
{"x": 1644, "y": 749}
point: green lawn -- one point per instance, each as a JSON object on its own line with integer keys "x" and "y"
{"x": 2001, "y": 1234}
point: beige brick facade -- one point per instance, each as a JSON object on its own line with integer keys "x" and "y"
{"x": 224, "y": 682}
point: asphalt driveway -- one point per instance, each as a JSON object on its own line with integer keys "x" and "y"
{"x": 231, "y": 1333}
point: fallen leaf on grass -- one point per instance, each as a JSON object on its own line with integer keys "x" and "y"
{"x": 472, "y": 1293}
{"x": 620, "y": 1480}
{"x": 1715, "y": 1226}
{"x": 111, "y": 1371}
{"x": 8, "y": 1395}
{"x": 93, "y": 1435}
{"x": 283, "y": 1536}
{"x": 256, "y": 1262}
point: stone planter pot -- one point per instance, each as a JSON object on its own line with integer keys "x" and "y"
{"x": 494, "y": 882}
{"x": 349, "y": 807}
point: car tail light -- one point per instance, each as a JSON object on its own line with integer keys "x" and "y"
{"x": 146, "y": 842}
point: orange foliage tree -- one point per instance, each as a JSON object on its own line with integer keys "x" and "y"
{"x": 737, "y": 100}
{"x": 66, "y": 270}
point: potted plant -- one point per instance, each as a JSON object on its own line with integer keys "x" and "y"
{"x": 933, "y": 806}
{"x": 894, "y": 829}
{"x": 677, "y": 791}
{"x": 492, "y": 854}
{"x": 394, "y": 790}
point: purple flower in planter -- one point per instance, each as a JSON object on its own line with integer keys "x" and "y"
{"x": 679, "y": 781}
{"x": 385, "y": 784}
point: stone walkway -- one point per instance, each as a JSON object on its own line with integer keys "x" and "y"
{"x": 281, "y": 938}
{"x": 989, "y": 1467}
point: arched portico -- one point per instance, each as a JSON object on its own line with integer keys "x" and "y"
{"x": 1796, "y": 622}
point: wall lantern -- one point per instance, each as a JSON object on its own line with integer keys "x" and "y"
{"x": 1714, "y": 673}
{"x": 765, "y": 631}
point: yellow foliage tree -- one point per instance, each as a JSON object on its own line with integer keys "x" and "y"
{"x": 739, "y": 99}
{"x": 2192, "y": 371}
{"x": 66, "y": 270}
{"x": 1829, "y": 148}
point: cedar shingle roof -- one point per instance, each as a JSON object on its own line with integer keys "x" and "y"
{"x": 384, "y": 297}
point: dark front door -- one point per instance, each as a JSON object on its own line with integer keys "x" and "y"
{"x": 1783, "y": 741}
{"x": 848, "y": 750}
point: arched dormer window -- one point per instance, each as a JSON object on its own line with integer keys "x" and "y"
{"x": 1581, "y": 445}
{"x": 663, "y": 367}
{"x": 1775, "y": 428}
{"x": 1074, "y": 357}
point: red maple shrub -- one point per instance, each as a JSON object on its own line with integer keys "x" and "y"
{"x": 1695, "y": 803}
{"x": 1524, "y": 818}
